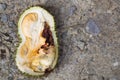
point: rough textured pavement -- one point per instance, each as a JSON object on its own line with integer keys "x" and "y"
{"x": 88, "y": 33}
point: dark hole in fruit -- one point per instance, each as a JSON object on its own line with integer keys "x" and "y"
{"x": 48, "y": 35}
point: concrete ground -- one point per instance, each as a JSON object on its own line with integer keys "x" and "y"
{"x": 88, "y": 34}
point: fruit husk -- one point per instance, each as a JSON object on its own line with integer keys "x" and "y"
{"x": 22, "y": 40}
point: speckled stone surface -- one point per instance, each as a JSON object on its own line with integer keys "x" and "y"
{"x": 82, "y": 55}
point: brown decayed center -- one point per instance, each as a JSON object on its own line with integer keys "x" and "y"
{"x": 47, "y": 34}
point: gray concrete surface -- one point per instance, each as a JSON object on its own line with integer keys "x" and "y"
{"x": 88, "y": 34}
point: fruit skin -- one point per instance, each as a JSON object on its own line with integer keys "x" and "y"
{"x": 22, "y": 38}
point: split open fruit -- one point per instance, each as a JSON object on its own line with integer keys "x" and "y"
{"x": 38, "y": 51}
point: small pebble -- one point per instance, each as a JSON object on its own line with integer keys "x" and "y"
{"x": 2, "y": 7}
{"x": 4, "y": 18}
{"x": 115, "y": 64}
{"x": 81, "y": 45}
{"x": 10, "y": 78}
{"x": 72, "y": 10}
{"x": 42, "y": 1}
{"x": 113, "y": 78}
{"x": 11, "y": 24}
{"x": 92, "y": 27}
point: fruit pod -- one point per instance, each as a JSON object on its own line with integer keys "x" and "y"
{"x": 38, "y": 51}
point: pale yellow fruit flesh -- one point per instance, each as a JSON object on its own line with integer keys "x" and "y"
{"x": 30, "y": 57}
